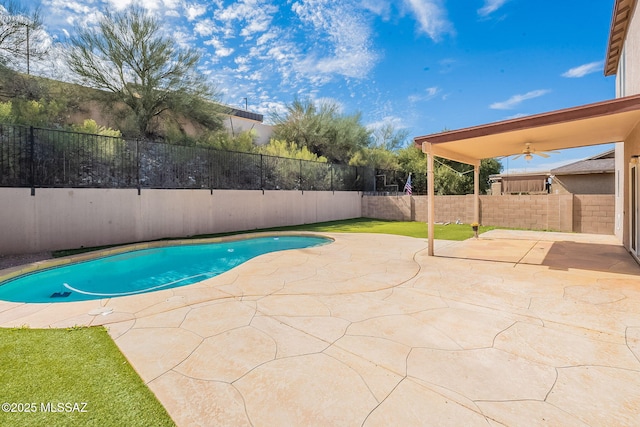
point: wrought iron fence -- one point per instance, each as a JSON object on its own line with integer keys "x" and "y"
{"x": 36, "y": 157}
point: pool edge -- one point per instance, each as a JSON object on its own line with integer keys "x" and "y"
{"x": 13, "y": 272}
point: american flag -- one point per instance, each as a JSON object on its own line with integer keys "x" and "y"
{"x": 407, "y": 186}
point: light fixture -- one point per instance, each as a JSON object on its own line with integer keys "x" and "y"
{"x": 634, "y": 160}
{"x": 528, "y": 157}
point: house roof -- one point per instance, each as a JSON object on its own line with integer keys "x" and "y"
{"x": 609, "y": 154}
{"x": 600, "y": 163}
{"x": 591, "y": 124}
{"x": 520, "y": 175}
{"x": 622, "y": 13}
{"x": 589, "y": 166}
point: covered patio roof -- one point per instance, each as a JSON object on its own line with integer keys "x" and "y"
{"x": 590, "y": 124}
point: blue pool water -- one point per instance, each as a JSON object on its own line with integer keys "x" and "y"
{"x": 144, "y": 270}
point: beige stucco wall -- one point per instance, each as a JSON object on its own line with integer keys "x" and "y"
{"x": 71, "y": 218}
{"x": 631, "y": 148}
{"x": 627, "y": 83}
{"x": 629, "y": 66}
{"x": 602, "y": 183}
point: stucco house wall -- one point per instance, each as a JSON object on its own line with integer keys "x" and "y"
{"x": 628, "y": 77}
{"x": 603, "y": 183}
{"x": 627, "y": 83}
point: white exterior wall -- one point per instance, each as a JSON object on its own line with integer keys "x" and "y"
{"x": 63, "y": 218}
{"x": 236, "y": 125}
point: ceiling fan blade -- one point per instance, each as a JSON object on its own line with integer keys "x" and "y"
{"x": 517, "y": 157}
{"x": 541, "y": 154}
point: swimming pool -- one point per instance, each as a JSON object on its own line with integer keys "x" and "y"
{"x": 145, "y": 270}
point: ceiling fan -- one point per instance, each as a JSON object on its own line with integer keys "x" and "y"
{"x": 528, "y": 152}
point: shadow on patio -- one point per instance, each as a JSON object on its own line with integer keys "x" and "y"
{"x": 557, "y": 251}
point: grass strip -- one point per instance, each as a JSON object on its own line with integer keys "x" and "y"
{"x": 71, "y": 377}
{"x": 356, "y": 225}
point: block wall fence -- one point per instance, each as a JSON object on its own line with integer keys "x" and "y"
{"x": 554, "y": 212}
{"x": 64, "y": 218}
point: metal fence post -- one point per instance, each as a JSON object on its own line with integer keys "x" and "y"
{"x": 138, "y": 164}
{"x": 301, "y": 189}
{"x": 331, "y": 172}
{"x": 32, "y": 166}
{"x": 261, "y": 174}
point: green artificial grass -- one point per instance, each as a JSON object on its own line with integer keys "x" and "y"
{"x": 356, "y": 225}
{"x": 80, "y": 373}
{"x": 402, "y": 228}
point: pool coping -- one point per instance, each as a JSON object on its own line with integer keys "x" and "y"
{"x": 13, "y": 272}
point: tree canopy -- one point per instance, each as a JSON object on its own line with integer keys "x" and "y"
{"x": 322, "y": 129}
{"x": 129, "y": 56}
{"x": 450, "y": 177}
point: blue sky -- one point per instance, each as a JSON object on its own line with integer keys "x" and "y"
{"x": 423, "y": 65}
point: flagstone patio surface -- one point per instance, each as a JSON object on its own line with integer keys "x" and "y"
{"x": 510, "y": 329}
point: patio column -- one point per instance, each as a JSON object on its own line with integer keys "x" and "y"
{"x": 431, "y": 199}
{"x": 476, "y": 192}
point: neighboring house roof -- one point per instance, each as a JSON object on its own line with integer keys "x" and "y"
{"x": 246, "y": 115}
{"x": 519, "y": 175}
{"x": 586, "y": 167}
{"x": 602, "y": 163}
{"x": 622, "y": 13}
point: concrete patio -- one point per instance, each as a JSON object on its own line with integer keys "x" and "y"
{"x": 515, "y": 328}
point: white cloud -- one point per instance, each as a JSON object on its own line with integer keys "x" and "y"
{"x": 341, "y": 39}
{"x": 584, "y": 69}
{"x": 221, "y": 50}
{"x": 193, "y": 11}
{"x": 256, "y": 14}
{"x": 122, "y": 4}
{"x": 516, "y": 116}
{"x": 204, "y": 27}
{"x": 379, "y": 7}
{"x": 490, "y": 6}
{"x": 396, "y": 122}
{"x": 516, "y": 100}
{"x": 431, "y": 17}
{"x": 428, "y": 94}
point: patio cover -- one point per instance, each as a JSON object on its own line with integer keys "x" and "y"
{"x": 590, "y": 124}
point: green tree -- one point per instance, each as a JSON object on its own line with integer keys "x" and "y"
{"x": 412, "y": 160}
{"x": 322, "y": 129}
{"x": 221, "y": 140}
{"x": 450, "y": 177}
{"x": 129, "y": 56}
{"x": 289, "y": 150}
{"x": 389, "y": 137}
{"x": 21, "y": 34}
{"x": 43, "y": 112}
{"x": 379, "y": 158}
{"x": 90, "y": 126}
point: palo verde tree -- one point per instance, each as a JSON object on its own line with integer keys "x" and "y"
{"x": 129, "y": 56}
{"x": 382, "y": 151}
{"x": 322, "y": 129}
{"x": 22, "y": 36}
